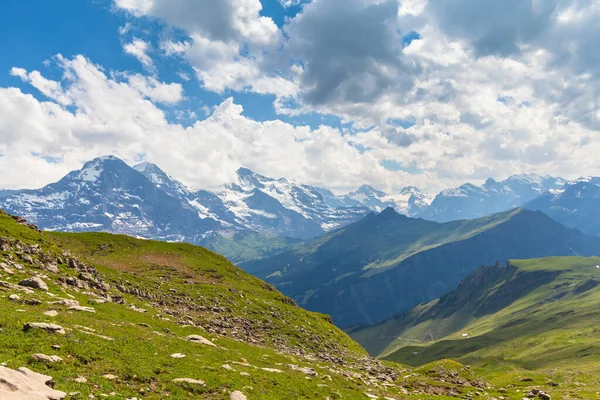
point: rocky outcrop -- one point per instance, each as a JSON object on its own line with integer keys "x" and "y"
{"x": 24, "y": 384}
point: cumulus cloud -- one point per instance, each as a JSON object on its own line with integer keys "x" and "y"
{"x": 139, "y": 49}
{"x": 117, "y": 114}
{"x": 489, "y": 88}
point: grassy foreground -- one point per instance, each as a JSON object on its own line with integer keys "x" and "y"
{"x": 128, "y": 306}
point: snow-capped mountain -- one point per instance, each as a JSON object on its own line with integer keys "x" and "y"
{"x": 472, "y": 201}
{"x": 409, "y": 201}
{"x": 108, "y": 195}
{"x": 279, "y": 205}
{"x": 576, "y": 204}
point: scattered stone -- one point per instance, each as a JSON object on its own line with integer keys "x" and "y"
{"x": 56, "y": 346}
{"x": 201, "y": 339}
{"x": 49, "y": 359}
{"x": 110, "y": 377}
{"x": 24, "y": 384}
{"x": 35, "y": 283}
{"x": 227, "y": 367}
{"x": 51, "y": 328}
{"x": 304, "y": 370}
{"x": 275, "y": 370}
{"x": 145, "y": 325}
{"x": 82, "y": 308}
{"x": 14, "y": 297}
{"x": 65, "y": 302}
{"x": 51, "y": 313}
{"x": 237, "y": 395}
{"x": 137, "y": 309}
{"x": 190, "y": 381}
{"x": 177, "y": 355}
{"x": 80, "y": 379}
{"x": 244, "y": 374}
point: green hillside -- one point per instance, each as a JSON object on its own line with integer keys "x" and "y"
{"x": 126, "y": 318}
{"x": 385, "y": 264}
{"x": 535, "y": 318}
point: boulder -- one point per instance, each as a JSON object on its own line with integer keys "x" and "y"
{"x": 24, "y": 384}
{"x": 201, "y": 340}
{"x": 48, "y": 359}
{"x": 51, "y": 328}
{"x": 237, "y": 395}
{"x": 35, "y": 283}
{"x": 190, "y": 381}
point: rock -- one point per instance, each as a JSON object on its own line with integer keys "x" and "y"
{"x": 51, "y": 313}
{"x": 82, "y": 308}
{"x": 278, "y": 371}
{"x": 177, "y": 355}
{"x": 51, "y": 268}
{"x": 200, "y": 339}
{"x": 65, "y": 302}
{"x": 110, "y": 377}
{"x": 237, "y": 395}
{"x": 44, "y": 358}
{"x": 304, "y": 370}
{"x": 24, "y": 384}
{"x": 14, "y": 297}
{"x": 35, "y": 283}
{"x": 52, "y": 328}
{"x": 80, "y": 379}
{"x": 190, "y": 381}
{"x": 544, "y": 396}
{"x": 227, "y": 367}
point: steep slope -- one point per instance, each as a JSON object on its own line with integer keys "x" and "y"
{"x": 135, "y": 316}
{"x": 387, "y": 263}
{"x": 108, "y": 195}
{"x": 575, "y": 205}
{"x": 538, "y": 314}
{"x": 471, "y": 201}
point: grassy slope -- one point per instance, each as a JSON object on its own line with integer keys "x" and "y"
{"x": 188, "y": 290}
{"x": 548, "y": 329}
{"x": 139, "y": 355}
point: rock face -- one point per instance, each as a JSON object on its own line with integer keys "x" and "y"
{"x": 35, "y": 283}
{"x": 24, "y": 384}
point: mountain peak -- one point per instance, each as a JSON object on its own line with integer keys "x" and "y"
{"x": 243, "y": 171}
{"x": 91, "y": 170}
{"x": 370, "y": 190}
{"x": 409, "y": 190}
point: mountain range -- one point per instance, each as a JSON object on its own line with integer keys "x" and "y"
{"x": 387, "y": 263}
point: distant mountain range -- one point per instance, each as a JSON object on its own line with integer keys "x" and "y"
{"x": 254, "y": 216}
{"x": 387, "y": 263}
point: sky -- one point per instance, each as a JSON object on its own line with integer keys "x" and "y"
{"x": 334, "y": 93}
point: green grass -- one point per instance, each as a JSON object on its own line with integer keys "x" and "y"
{"x": 538, "y": 321}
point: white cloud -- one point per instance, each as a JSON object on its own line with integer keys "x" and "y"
{"x": 489, "y": 89}
{"x": 139, "y": 49}
{"x": 116, "y": 115}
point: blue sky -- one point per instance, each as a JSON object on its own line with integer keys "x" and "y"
{"x": 336, "y": 93}
{"x": 91, "y": 28}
